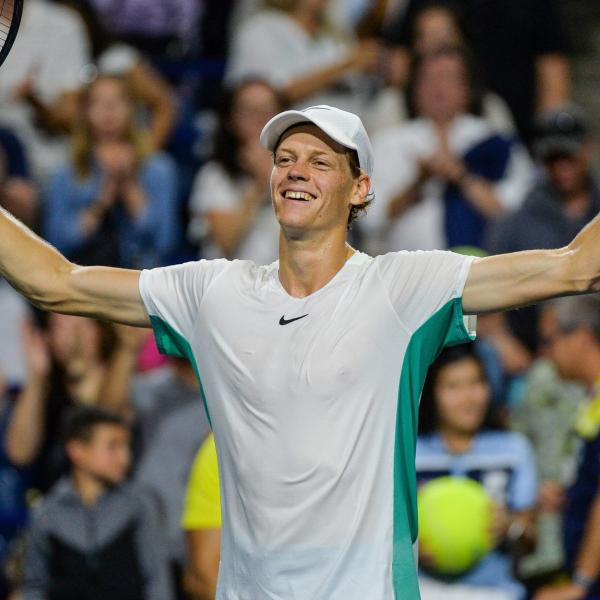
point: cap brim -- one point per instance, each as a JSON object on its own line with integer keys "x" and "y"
{"x": 557, "y": 145}
{"x": 278, "y": 125}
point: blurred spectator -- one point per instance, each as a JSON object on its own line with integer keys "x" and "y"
{"x": 291, "y": 47}
{"x": 202, "y": 524}
{"x": 149, "y": 23}
{"x": 114, "y": 203}
{"x": 170, "y": 423}
{"x": 572, "y": 331}
{"x": 548, "y": 404}
{"x": 444, "y": 175}
{"x": 434, "y": 26}
{"x": 39, "y": 84}
{"x": 94, "y": 536}
{"x": 14, "y": 482}
{"x": 15, "y": 311}
{"x": 230, "y": 205}
{"x": 66, "y": 366}
{"x": 455, "y": 439}
{"x": 558, "y": 206}
{"x": 112, "y": 57}
{"x": 18, "y": 193}
{"x": 521, "y": 47}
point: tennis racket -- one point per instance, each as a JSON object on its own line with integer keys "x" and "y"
{"x": 10, "y": 19}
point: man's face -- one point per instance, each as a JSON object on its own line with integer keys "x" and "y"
{"x": 442, "y": 90}
{"x": 312, "y": 185}
{"x": 562, "y": 347}
{"x": 106, "y": 456}
{"x": 569, "y": 173}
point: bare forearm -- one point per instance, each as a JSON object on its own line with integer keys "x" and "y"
{"x": 51, "y": 282}
{"x": 29, "y": 263}
{"x": 230, "y": 229}
{"x": 588, "y": 560}
{"x": 25, "y": 430}
{"x": 199, "y": 587}
{"x": 520, "y": 278}
{"x": 303, "y": 87}
{"x": 480, "y": 193}
{"x": 554, "y": 81}
{"x": 115, "y": 392}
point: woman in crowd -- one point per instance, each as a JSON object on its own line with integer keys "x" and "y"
{"x": 291, "y": 45}
{"x": 445, "y": 174}
{"x": 115, "y": 57}
{"x": 456, "y": 438}
{"x": 230, "y": 204}
{"x": 115, "y": 202}
{"x": 436, "y": 25}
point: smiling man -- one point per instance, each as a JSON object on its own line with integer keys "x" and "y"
{"x": 311, "y": 367}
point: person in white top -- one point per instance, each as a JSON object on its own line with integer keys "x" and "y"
{"x": 445, "y": 174}
{"x": 297, "y": 53}
{"x": 39, "y": 84}
{"x": 230, "y": 203}
{"x": 311, "y": 367}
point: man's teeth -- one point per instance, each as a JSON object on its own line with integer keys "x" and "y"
{"x": 298, "y": 196}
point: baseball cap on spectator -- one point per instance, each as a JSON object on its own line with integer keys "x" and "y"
{"x": 560, "y": 132}
{"x": 343, "y": 127}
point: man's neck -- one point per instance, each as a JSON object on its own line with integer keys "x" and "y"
{"x": 89, "y": 488}
{"x": 305, "y": 266}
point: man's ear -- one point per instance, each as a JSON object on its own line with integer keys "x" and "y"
{"x": 360, "y": 193}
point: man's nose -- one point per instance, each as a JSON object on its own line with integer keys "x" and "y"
{"x": 298, "y": 171}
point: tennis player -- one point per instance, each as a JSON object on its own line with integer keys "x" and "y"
{"x": 311, "y": 367}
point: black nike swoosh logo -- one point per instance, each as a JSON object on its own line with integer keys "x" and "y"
{"x": 284, "y": 321}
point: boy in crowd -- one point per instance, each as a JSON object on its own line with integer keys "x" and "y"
{"x": 95, "y": 536}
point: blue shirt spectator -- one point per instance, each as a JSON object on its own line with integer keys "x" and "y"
{"x": 457, "y": 438}
{"x": 115, "y": 202}
{"x": 121, "y": 240}
{"x": 502, "y": 462}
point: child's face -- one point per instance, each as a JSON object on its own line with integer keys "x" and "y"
{"x": 106, "y": 455}
{"x": 462, "y": 396}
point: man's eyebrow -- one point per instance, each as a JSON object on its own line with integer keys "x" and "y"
{"x": 314, "y": 153}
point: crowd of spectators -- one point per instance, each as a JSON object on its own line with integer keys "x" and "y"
{"x": 129, "y": 137}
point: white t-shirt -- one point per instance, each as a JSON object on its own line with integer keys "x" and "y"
{"x": 216, "y": 191}
{"x": 52, "y": 48}
{"x": 313, "y": 403}
{"x": 398, "y": 153}
{"x": 272, "y": 46}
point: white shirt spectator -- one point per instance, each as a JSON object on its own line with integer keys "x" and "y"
{"x": 215, "y": 190}
{"x": 272, "y": 46}
{"x": 398, "y": 153}
{"x": 389, "y": 109}
{"x": 14, "y": 311}
{"x": 52, "y": 48}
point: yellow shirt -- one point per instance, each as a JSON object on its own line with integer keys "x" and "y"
{"x": 202, "y": 507}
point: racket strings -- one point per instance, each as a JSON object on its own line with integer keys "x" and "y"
{"x": 7, "y": 11}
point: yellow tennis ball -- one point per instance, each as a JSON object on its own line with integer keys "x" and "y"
{"x": 454, "y": 523}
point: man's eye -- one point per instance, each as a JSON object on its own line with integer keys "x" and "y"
{"x": 283, "y": 160}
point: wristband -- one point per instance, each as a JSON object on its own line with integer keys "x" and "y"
{"x": 582, "y": 580}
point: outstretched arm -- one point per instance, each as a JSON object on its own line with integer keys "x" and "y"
{"x": 517, "y": 279}
{"x": 51, "y": 282}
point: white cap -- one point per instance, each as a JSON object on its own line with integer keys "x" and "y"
{"x": 345, "y": 128}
